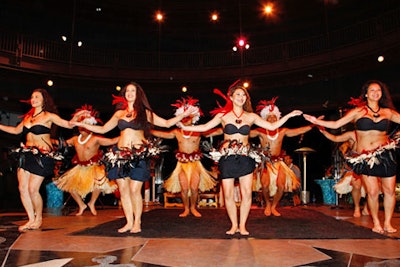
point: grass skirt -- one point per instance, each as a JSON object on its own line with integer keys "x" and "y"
{"x": 84, "y": 179}
{"x": 273, "y": 168}
{"x": 207, "y": 182}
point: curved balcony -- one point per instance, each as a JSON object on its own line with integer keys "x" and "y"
{"x": 339, "y": 53}
{"x": 355, "y": 41}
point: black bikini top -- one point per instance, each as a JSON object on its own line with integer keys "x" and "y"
{"x": 366, "y": 124}
{"x": 232, "y": 129}
{"x": 36, "y": 129}
{"x": 123, "y": 124}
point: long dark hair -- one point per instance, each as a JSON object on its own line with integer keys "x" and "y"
{"x": 48, "y": 102}
{"x": 141, "y": 106}
{"x": 386, "y": 99}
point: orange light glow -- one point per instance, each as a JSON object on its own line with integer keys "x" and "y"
{"x": 159, "y": 16}
{"x": 214, "y": 17}
{"x": 268, "y": 9}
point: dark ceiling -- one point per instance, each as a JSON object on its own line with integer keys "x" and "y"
{"x": 129, "y": 24}
{"x": 187, "y": 25}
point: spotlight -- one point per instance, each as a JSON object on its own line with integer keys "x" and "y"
{"x": 184, "y": 89}
{"x": 381, "y": 58}
{"x": 50, "y": 83}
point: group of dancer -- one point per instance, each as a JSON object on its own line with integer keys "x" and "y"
{"x": 126, "y": 163}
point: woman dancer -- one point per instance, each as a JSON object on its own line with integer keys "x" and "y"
{"x": 375, "y": 152}
{"x": 236, "y": 160}
{"x": 127, "y": 161}
{"x": 37, "y": 154}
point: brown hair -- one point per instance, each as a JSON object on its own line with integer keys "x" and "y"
{"x": 247, "y": 105}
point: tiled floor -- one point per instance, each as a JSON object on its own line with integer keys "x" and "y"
{"x": 52, "y": 246}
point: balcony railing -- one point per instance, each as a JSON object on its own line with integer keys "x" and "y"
{"x": 24, "y": 47}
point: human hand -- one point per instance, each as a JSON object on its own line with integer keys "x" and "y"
{"x": 192, "y": 110}
{"x": 295, "y": 113}
{"x": 80, "y": 114}
{"x": 75, "y": 123}
{"x": 310, "y": 118}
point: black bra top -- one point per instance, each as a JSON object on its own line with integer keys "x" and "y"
{"x": 36, "y": 129}
{"x": 366, "y": 124}
{"x": 232, "y": 129}
{"x": 123, "y": 124}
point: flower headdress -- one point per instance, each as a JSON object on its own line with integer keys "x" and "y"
{"x": 184, "y": 104}
{"x": 228, "y": 106}
{"x": 90, "y": 117}
{"x": 266, "y": 108}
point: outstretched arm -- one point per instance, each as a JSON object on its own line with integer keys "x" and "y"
{"x": 107, "y": 141}
{"x": 157, "y": 120}
{"x": 339, "y": 138}
{"x": 11, "y": 129}
{"x": 213, "y": 132}
{"x": 164, "y": 134}
{"x": 348, "y": 117}
{"x": 203, "y": 127}
{"x": 300, "y": 130}
{"x": 274, "y": 125}
{"x": 111, "y": 124}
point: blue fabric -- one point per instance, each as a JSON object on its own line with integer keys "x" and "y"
{"x": 328, "y": 193}
{"x": 136, "y": 170}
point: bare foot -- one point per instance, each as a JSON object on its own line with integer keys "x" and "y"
{"x": 184, "y": 213}
{"x": 124, "y": 229}
{"x": 275, "y": 213}
{"x": 267, "y": 211}
{"x": 243, "y": 231}
{"x": 357, "y": 213}
{"x": 25, "y": 227}
{"x": 365, "y": 211}
{"x": 390, "y": 229}
{"x": 136, "y": 229}
{"x": 92, "y": 209}
{"x": 195, "y": 212}
{"x": 81, "y": 210}
{"x": 35, "y": 225}
{"x": 378, "y": 230}
{"x": 232, "y": 231}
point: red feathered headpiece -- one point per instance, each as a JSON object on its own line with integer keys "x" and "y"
{"x": 264, "y": 108}
{"x": 30, "y": 112}
{"x": 120, "y": 100}
{"x": 228, "y": 105}
{"x": 182, "y": 105}
{"x": 92, "y": 117}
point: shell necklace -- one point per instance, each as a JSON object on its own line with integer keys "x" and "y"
{"x": 273, "y": 138}
{"x": 186, "y": 136}
{"x": 84, "y": 141}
